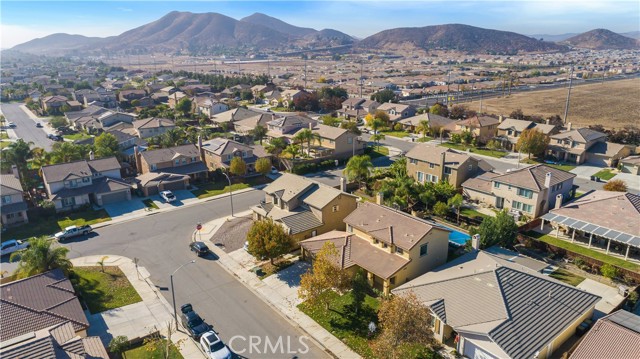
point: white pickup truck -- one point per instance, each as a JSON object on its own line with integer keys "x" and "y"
{"x": 13, "y": 245}
{"x": 73, "y": 231}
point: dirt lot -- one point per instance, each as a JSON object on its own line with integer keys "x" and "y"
{"x": 613, "y": 104}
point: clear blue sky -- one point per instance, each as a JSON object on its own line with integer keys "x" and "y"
{"x": 23, "y": 20}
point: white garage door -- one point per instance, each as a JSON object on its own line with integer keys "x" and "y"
{"x": 474, "y": 352}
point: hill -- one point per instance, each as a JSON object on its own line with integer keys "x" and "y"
{"x": 602, "y": 39}
{"x": 57, "y": 44}
{"x": 278, "y": 25}
{"x": 458, "y": 37}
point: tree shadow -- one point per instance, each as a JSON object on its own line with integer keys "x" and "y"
{"x": 356, "y": 322}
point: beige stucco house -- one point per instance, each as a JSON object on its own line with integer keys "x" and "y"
{"x": 151, "y": 127}
{"x": 14, "y": 208}
{"x": 429, "y": 163}
{"x": 483, "y": 128}
{"x": 510, "y": 130}
{"x": 218, "y": 153}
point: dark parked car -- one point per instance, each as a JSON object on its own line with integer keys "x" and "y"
{"x": 200, "y": 248}
{"x": 192, "y": 322}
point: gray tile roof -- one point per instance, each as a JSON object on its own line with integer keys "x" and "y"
{"x": 169, "y": 154}
{"x": 82, "y": 168}
{"x": 608, "y": 149}
{"x": 533, "y": 177}
{"x": 302, "y": 221}
{"x": 10, "y": 184}
{"x": 99, "y": 185}
{"x": 153, "y": 122}
{"x": 433, "y": 119}
{"x": 581, "y": 135}
{"x": 481, "y": 183}
{"x": 221, "y": 146}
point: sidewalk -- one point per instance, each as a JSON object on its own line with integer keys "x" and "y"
{"x": 277, "y": 293}
{"x": 139, "y": 319}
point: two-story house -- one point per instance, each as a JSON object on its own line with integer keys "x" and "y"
{"x": 205, "y": 105}
{"x": 397, "y": 111}
{"x": 586, "y": 145}
{"x": 169, "y": 168}
{"x": 102, "y": 120}
{"x": 335, "y": 142}
{"x": 429, "y": 163}
{"x": 483, "y": 128}
{"x": 75, "y": 184}
{"x": 305, "y": 208}
{"x": 14, "y": 208}
{"x": 436, "y": 122}
{"x": 510, "y": 130}
{"x": 154, "y": 126}
{"x": 357, "y": 108}
{"x": 126, "y": 96}
{"x": 531, "y": 190}
{"x": 391, "y": 246}
{"x": 287, "y": 125}
{"x": 218, "y": 153}
{"x": 53, "y": 104}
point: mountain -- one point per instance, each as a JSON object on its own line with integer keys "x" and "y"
{"x": 57, "y": 44}
{"x": 456, "y": 37}
{"x": 278, "y": 25}
{"x": 631, "y": 34}
{"x": 553, "y": 38}
{"x": 602, "y": 39}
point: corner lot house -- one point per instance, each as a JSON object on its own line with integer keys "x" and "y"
{"x": 218, "y": 153}
{"x": 428, "y": 163}
{"x": 495, "y": 306}
{"x": 75, "y": 184}
{"x": 169, "y": 168}
{"x": 397, "y": 111}
{"x": 14, "y": 208}
{"x": 532, "y": 190}
{"x": 305, "y": 208}
{"x": 391, "y": 246}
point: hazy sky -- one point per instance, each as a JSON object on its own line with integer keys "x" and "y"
{"x": 23, "y": 20}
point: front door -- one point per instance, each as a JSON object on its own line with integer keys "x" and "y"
{"x": 499, "y": 202}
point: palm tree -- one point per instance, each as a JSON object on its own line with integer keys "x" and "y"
{"x": 259, "y": 132}
{"x": 308, "y": 136}
{"x": 172, "y": 138}
{"x": 292, "y": 150}
{"x": 456, "y": 201}
{"x": 275, "y": 146}
{"x": 41, "y": 257}
{"x": 358, "y": 169}
{"x": 423, "y": 127}
{"x": 376, "y": 124}
{"x": 17, "y": 153}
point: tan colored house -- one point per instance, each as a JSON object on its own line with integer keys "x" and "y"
{"x": 305, "y": 208}
{"x": 208, "y": 106}
{"x": 335, "y": 142}
{"x": 391, "y": 246}
{"x": 483, "y": 128}
{"x": 436, "y": 122}
{"x": 509, "y": 131}
{"x": 429, "y": 163}
{"x": 498, "y": 304}
{"x": 53, "y": 104}
{"x": 183, "y": 159}
{"x": 14, "y": 208}
{"x": 397, "y": 111}
{"x": 531, "y": 190}
{"x": 631, "y": 165}
{"x": 357, "y": 108}
{"x": 572, "y": 145}
{"x": 154, "y": 126}
{"x": 615, "y": 336}
{"x": 218, "y": 153}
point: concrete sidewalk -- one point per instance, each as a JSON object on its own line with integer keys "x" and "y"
{"x": 278, "y": 291}
{"x": 154, "y": 313}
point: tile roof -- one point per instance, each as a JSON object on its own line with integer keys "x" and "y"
{"x": 581, "y": 135}
{"x": 301, "y": 221}
{"x": 481, "y": 183}
{"x": 292, "y": 120}
{"x": 610, "y": 337}
{"x": 221, "y": 146}
{"x": 544, "y": 128}
{"x": 433, "y": 119}
{"x": 169, "y": 154}
{"x": 518, "y": 125}
{"x": 329, "y": 132}
{"x": 10, "y": 184}
{"x": 39, "y": 302}
{"x": 429, "y": 153}
{"x": 78, "y": 169}
{"x": 608, "y": 149}
{"x": 631, "y": 160}
{"x": 475, "y": 121}
{"x": 533, "y": 177}
{"x": 153, "y": 122}
{"x": 98, "y": 185}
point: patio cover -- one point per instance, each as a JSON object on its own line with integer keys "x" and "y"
{"x": 605, "y": 232}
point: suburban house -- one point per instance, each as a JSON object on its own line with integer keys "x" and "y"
{"x": 259, "y": 91}
{"x": 53, "y": 104}
{"x": 335, "y": 142}
{"x": 397, "y": 111}
{"x": 248, "y": 124}
{"x": 599, "y": 219}
{"x": 205, "y": 105}
{"x": 483, "y": 128}
{"x": 429, "y": 163}
{"x": 586, "y": 145}
{"x": 126, "y": 96}
{"x": 75, "y": 184}
{"x": 175, "y": 98}
{"x": 496, "y": 304}
{"x": 357, "y": 108}
{"x": 287, "y": 125}
{"x": 631, "y": 165}
{"x": 615, "y": 336}
{"x": 101, "y": 120}
{"x": 174, "y": 166}
{"x": 154, "y": 126}
{"x": 436, "y": 122}
{"x": 305, "y": 208}
{"x": 14, "y": 208}
{"x": 218, "y": 152}
{"x": 509, "y": 130}
{"x": 288, "y": 97}
{"x": 531, "y": 190}
{"x": 391, "y": 246}
{"x": 230, "y": 117}
{"x": 41, "y": 317}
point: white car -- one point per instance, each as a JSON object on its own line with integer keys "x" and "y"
{"x": 13, "y": 245}
{"x": 214, "y": 347}
{"x": 168, "y": 196}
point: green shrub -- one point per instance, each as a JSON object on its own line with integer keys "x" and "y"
{"x": 609, "y": 271}
{"x": 397, "y": 127}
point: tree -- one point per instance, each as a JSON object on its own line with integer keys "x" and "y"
{"x": 352, "y": 127}
{"x": 440, "y": 209}
{"x": 376, "y": 124}
{"x": 40, "y": 257}
{"x": 58, "y": 121}
{"x": 517, "y": 114}
{"x": 609, "y": 271}
{"x": 423, "y": 127}
{"x": 119, "y": 345}
{"x": 172, "y": 137}
{"x": 404, "y": 323}
{"x": 358, "y": 169}
{"x": 238, "y": 167}
{"x": 532, "y": 142}
{"x": 323, "y": 278}
{"x": 17, "y": 153}
{"x": 500, "y": 230}
{"x": 384, "y": 96}
{"x": 494, "y": 145}
{"x": 62, "y": 152}
{"x": 456, "y": 202}
{"x": 259, "y": 132}
{"x": 184, "y": 106}
{"x": 308, "y": 136}
{"x": 331, "y": 121}
{"x": 458, "y": 112}
{"x": 615, "y": 185}
{"x": 275, "y": 146}
{"x": 466, "y": 137}
{"x": 292, "y": 150}
{"x": 382, "y": 116}
{"x": 263, "y": 165}
{"x": 268, "y": 239}
{"x": 246, "y": 95}
{"x": 438, "y": 109}
{"x": 106, "y": 145}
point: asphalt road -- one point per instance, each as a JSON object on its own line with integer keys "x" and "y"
{"x": 25, "y": 126}
{"x": 161, "y": 243}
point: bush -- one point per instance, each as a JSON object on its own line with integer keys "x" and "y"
{"x": 397, "y": 127}
{"x": 440, "y": 209}
{"x": 58, "y": 121}
{"x": 304, "y": 168}
{"x": 609, "y": 271}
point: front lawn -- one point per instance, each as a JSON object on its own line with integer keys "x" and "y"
{"x": 220, "y": 187}
{"x": 4, "y": 144}
{"x": 479, "y": 151}
{"x": 605, "y": 258}
{"x": 377, "y": 151}
{"x": 4, "y": 136}
{"x": 399, "y": 134}
{"x": 605, "y": 175}
{"x": 48, "y": 226}
{"x": 103, "y": 291}
{"x": 268, "y": 269}
{"x": 76, "y": 137}
{"x": 341, "y": 320}
{"x": 567, "y": 277}
{"x": 424, "y": 139}
{"x": 146, "y": 352}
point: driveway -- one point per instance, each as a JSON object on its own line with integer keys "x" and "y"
{"x": 287, "y": 281}
{"x": 136, "y": 206}
{"x": 183, "y": 197}
{"x": 633, "y": 181}
{"x": 586, "y": 171}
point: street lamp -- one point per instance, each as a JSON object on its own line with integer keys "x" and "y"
{"x": 173, "y": 293}
{"x": 230, "y": 191}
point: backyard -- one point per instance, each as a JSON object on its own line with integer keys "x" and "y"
{"x": 219, "y": 187}
{"x": 479, "y": 151}
{"x": 103, "y": 290}
{"x": 39, "y": 226}
{"x": 567, "y": 277}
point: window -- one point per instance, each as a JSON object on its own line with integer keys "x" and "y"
{"x": 522, "y": 206}
{"x": 423, "y": 249}
{"x": 432, "y": 178}
{"x": 470, "y": 167}
{"x": 496, "y": 184}
{"x": 399, "y": 250}
{"x": 6, "y": 199}
{"x": 68, "y": 202}
{"x": 314, "y": 233}
{"x": 375, "y": 241}
{"x": 335, "y": 208}
{"x": 420, "y": 177}
{"x": 177, "y": 161}
{"x": 86, "y": 179}
{"x": 331, "y": 142}
{"x": 437, "y": 327}
{"x": 9, "y": 215}
{"x": 154, "y": 167}
{"x": 447, "y": 170}
{"x": 184, "y": 161}
{"x": 432, "y": 165}
{"x": 193, "y": 159}
{"x": 413, "y": 161}
{"x": 392, "y": 280}
{"x": 557, "y": 187}
{"x": 527, "y": 193}
{"x": 350, "y": 140}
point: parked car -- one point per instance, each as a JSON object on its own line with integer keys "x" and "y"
{"x": 192, "y": 322}
{"x": 11, "y": 124}
{"x": 13, "y": 245}
{"x": 200, "y": 248}
{"x": 39, "y": 125}
{"x": 168, "y": 196}
{"x": 214, "y": 347}
{"x": 73, "y": 231}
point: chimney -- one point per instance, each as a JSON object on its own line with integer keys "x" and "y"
{"x": 14, "y": 170}
{"x": 569, "y": 126}
{"x": 559, "y": 198}
{"x": 200, "y": 150}
{"x": 443, "y": 157}
{"x": 343, "y": 184}
{"x": 475, "y": 242}
{"x": 137, "y": 156}
{"x": 547, "y": 180}
{"x": 379, "y": 198}
{"x": 311, "y": 125}
{"x": 500, "y": 119}
{"x": 547, "y": 121}
{"x": 391, "y": 239}
{"x": 91, "y": 156}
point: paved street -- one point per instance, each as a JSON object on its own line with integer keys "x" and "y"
{"x": 26, "y": 126}
{"x": 160, "y": 242}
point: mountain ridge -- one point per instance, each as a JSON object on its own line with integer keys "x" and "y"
{"x": 602, "y": 39}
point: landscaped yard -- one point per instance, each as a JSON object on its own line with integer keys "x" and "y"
{"x": 103, "y": 291}
{"x": 146, "y": 352}
{"x": 4, "y": 144}
{"x": 219, "y": 187}
{"x": 605, "y": 174}
{"x": 424, "y": 139}
{"x": 4, "y": 136}
{"x": 342, "y": 321}
{"x": 377, "y": 151}
{"x": 399, "y": 134}
{"x": 76, "y": 136}
{"x": 150, "y": 204}
{"x": 470, "y": 212}
{"x": 584, "y": 251}
{"x": 479, "y": 151}
{"x": 268, "y": 269}
{"x": 48, "y": 226}
{"x": 567, "y": 277}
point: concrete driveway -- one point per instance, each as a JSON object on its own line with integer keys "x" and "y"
{"x": 287, "y": 281}
{"x": 125, "y": 208}
{"x": 183, "y": 197}
{"x": 633, "y": 181}
{"x": 586, "y": 171}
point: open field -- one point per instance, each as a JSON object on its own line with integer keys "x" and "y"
{"x": 612, "y": 104}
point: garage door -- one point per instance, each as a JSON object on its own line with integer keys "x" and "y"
{"x": 114, "y": 197}
{"x": 173, "y": 186}
{"x": 597, "y": 160}
{"x": 471, "y": 350}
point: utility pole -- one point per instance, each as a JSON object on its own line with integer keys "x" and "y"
{"x": 481, "y": 95}
{"x": 448, "y": 82}
{"x": 509, "y": 74}
{"x": 269, "y": 69}
{"x": 566, "y": 106}
{"x": 305, "y": 73}
{"x": 361, "y": 79}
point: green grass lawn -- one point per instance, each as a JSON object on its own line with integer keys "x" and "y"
{"x": 103, "y": 291}
{"x": 44, "y": 227}
{"x": 4, "y": 136}
{"x": 567, "y": 277}
{"x": 605, "y": 258}
{"x": 424, "y": 139}
{"x": 342, "y": 321}
{"x": 484, "y": 152}
{"x": 469, "y": 212}
{"x": 146, "y": 352}
{"x": 150, "y": 204}
{"x": 399, "y": 134}
{"x": 605, "y": 174}
{"x": 578, "y": 195}
{"x": 215, "y": 188}
{"x": 76, "y": 136}
{"x": 4, "y": 144}
{"x": 375, "y": 152}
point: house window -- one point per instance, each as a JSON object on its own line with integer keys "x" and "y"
{"x": 423, "y": 249}
{"x": 384, "y": 245}
{"x": 420, "y": 177}
{"x": 184, "y": 160}
{"x": 86, "y": 180}
{"x": 314, "y": 233}
{"x": 413, "y": 161}
{"x": 437, "y": 326}
{"x": 432, "y": 165}
{"x": 177, "y": 161}
{"x": 331, "y": 142}
{"x": 399, "y": 250}
{"x": 350, "y": 140}
{"x": 432, "y": 178}
{"x": 447, "y": 170}
{"x": 6, "y": 199}
{"x": 335, "y": 208}
{"x": 154, "y": 167}
{"x": 375, "y": 241}
{"x": 557, "y": 187}
{"x": 193, "y": 159}
{"x": 527, "y": 193}
{"x": 392, "y": 280}
{"x": 349, "y": 228}
{"x": 10, "y": 215}
{"x": 68, "y": 202}
{"x": 496, "y": 184}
